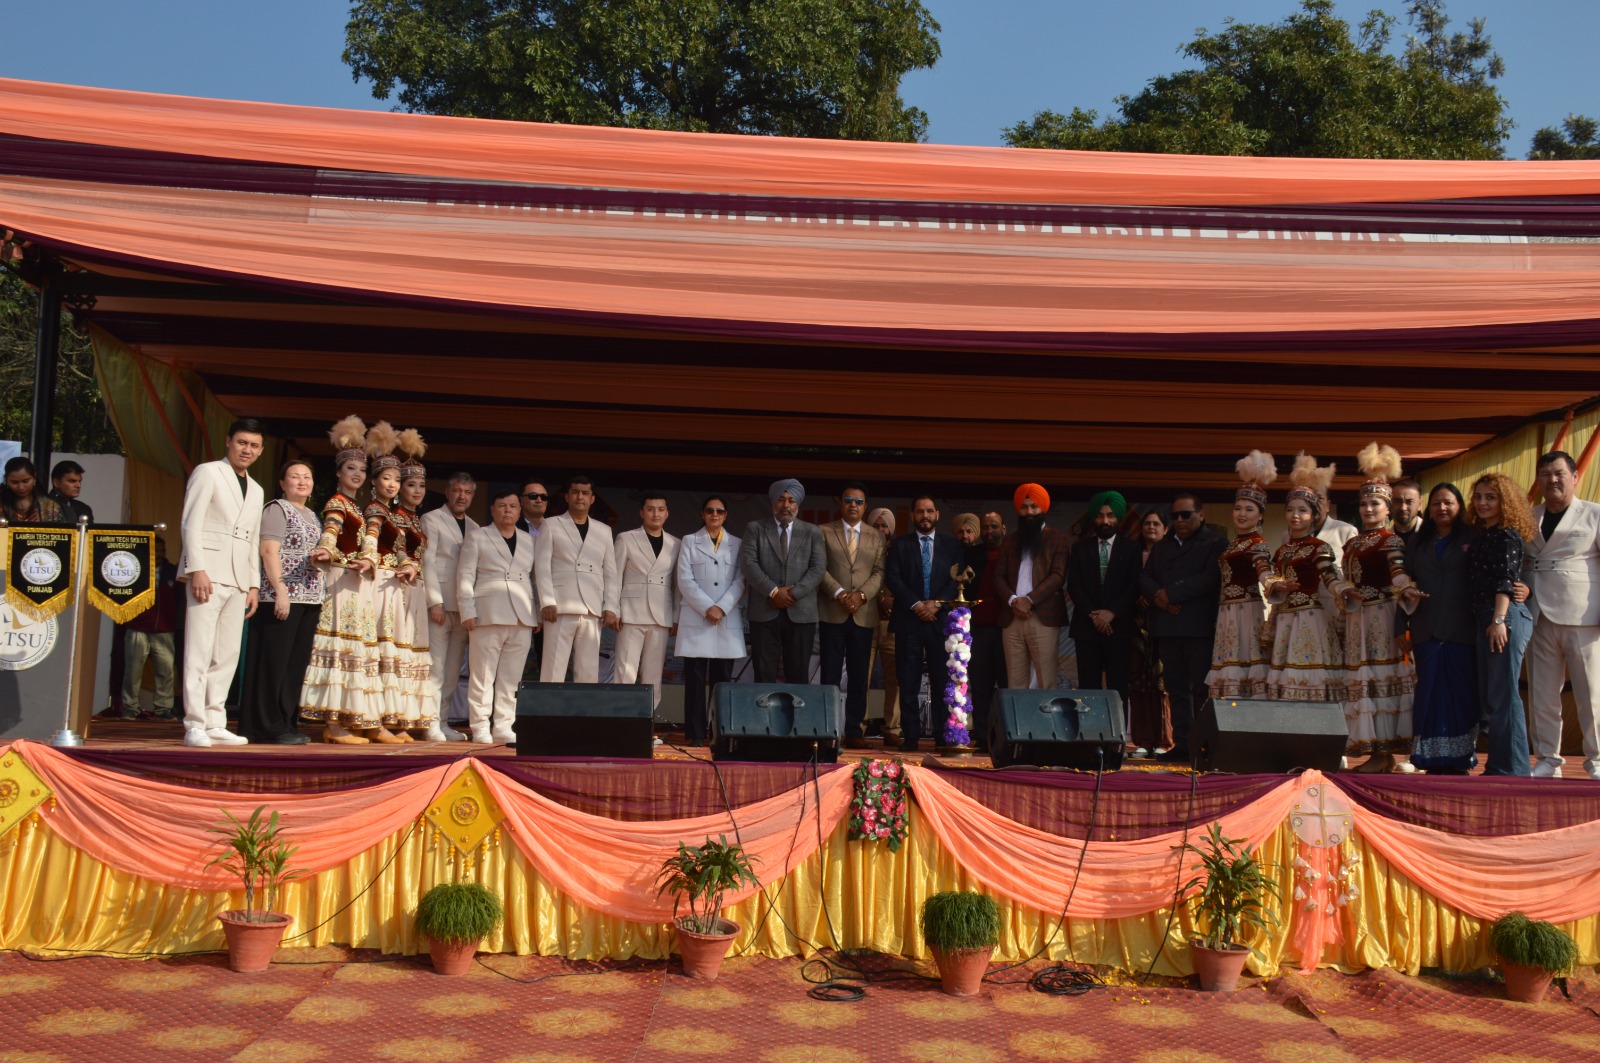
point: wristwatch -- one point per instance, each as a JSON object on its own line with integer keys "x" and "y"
{"x": 1498, "y": 620}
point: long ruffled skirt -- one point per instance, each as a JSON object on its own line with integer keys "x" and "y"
{"x": 1379, "y": 683}
{"x": 1307, "y": 662}
{"x": 402, "y": 669}
{"x": 1239, "y": 666}
{"x": 341, "y": 684}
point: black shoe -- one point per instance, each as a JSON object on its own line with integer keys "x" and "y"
{"x": 1173, "y": 756}
{"x": 853, "y": 742}
{"x": 910, "y": 745}
{"x": 291, "y": 739}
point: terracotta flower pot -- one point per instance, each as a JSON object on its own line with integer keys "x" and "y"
{"x": 961, "y": 971}
{"x": 1525, "y": 984}
{"x": 453, "y": 957}
{"x": 251, "y": 942}
{"x": 1218, "y": 969}
{"x": 702, "y": 954}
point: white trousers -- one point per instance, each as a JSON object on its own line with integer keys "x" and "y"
{"x": 641, "y": 651}
{"x": 446, "y": 643}
{"x": 1555, "y": 653}
{"x": 211, "y": 637}
{"x": 495, "y": 657}
{"x": 571, "y": 638}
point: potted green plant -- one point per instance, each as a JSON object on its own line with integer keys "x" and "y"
{"x": 255, "y": 851}
{"x": 961, "y": 929}
{"x": 700, "y": 875}
{"x": 454, "y": 917}
{"x": 1532, "y": 953}
{"x": 1229, "y": 906}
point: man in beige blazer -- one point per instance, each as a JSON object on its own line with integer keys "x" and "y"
{"x": 222, "y": 564}
{"x": 1562, "y": 567}
{"x": 648, "y": 597}
{"x": 847, "y": 605}
{"x": 575, "y": 566}
{"x": 447, "y": 529}
{"x": 499, "y": 611}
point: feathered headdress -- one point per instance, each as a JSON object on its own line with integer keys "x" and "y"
{"x": 1309, "y": 481}
{"x": 381, "y": 441}
{"x": 1381, "y": 465}
{"x": 412, "y": 446}
{"x": 349, "y": 438}
{"x": 1257, "y": 470}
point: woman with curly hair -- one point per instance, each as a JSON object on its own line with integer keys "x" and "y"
{"x": 1504, "y": 522}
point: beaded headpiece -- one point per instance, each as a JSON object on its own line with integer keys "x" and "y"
{"x": 412, "y": 446}
{"x": 349, "y": 438}
{"x": 381, "y": 441}
{"x": 1257, "y": 470}
{"x": 1309, "y": 481}
{"x": 1381, "y": 465}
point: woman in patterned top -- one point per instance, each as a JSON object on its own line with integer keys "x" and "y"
{"x": 1380, "y": 680}
{"x": 341, "y": 684}
{"x": 396, "y": 570}
{"x": 1504, "y": 523}
{"x": 1239, "y": 665}
{"x": 1307, "y": 662}
{"x": 419, "y": 688}
{"x": 282, "y": 630}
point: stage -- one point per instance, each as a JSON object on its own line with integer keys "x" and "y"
{"x": 104, "y": 849}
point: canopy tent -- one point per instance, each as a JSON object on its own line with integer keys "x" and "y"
{"x": 710, "y": 311}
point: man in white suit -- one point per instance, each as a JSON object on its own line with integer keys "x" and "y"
{"x": 222, "y": 565}
{"x": 575, "y": 566}
{"x": 446, "y": 529}
{"x": 1562, "y": 565}
{"x": 499, "y": 611}
{"x": 648, "y": 599}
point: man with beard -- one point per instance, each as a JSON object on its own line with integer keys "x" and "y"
{"x": 1103, "y": 583}
{"x": 918, "y": 574}
{"x": 1030, "y": 576}
{"x": 784, "y": 560}
{"x": 1182, "y": 581}
{"x": 987, "y": 671}
{"x": 1407, "y": 509}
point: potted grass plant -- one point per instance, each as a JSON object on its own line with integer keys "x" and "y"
{"x": 961, "y": 929}
{"x": 700, "y": 876}
{"x": 1532, "y": 953}
{"x": 257, "y": 853}
{"x": 1230, "y": 905}
{"x": 455, "y": 917}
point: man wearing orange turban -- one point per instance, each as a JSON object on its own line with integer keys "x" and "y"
{"x": 1030, "y": 577}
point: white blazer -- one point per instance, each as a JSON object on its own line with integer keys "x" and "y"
{"x": 439, "y": 561}
{"x": 493, "y": 585}
{"x": 222, "y": 527}
{"x": 709, "y": 577}
{"x": 575, "y": 574}
{"x": 647, "y": 592}
{"x": 1564, "y": 573}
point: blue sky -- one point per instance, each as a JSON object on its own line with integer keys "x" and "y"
{"x": 1003, "y": 59}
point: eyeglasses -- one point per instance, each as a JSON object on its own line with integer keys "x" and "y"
{"x": 1183, "y": 514}
{"x": 537, "y": 496}
{"x": 715, "y": 510}
{"x": 853, "y": 501}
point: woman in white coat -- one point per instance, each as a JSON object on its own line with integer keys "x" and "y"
{"x": 710, "y": 613}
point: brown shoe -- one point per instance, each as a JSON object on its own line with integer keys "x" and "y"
{"x": 857, "y": 743}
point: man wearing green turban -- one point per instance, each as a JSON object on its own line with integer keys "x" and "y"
{"x": 1103, "y": 583}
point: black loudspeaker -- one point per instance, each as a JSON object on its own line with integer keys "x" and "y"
{"x": 1272, "y": 737}
{"x": 585, "y": 720}
{"x": 774, "y": 721}
{"x": 1056, "y": 728}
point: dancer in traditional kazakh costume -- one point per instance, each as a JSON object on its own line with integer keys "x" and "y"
{"x": 416, "y": 681}
{"x": 1307, "y": 661}
{"x": 397, "y": 710}
{"x": 1239, "y": 663}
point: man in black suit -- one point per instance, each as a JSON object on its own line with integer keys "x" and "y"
{"x": 1182, "y": 581}
{"x": 918, "y": 575}
{"x": 1103, "y": 583}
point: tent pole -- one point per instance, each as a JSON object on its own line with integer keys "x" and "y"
{"x": 44, "y": 372}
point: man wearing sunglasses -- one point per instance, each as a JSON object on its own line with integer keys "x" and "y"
{"x": 1182, "y": 581}
{"x": 847, "y": 605}
{"x": 535, "y": 500}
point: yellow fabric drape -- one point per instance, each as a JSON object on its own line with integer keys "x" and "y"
{"x": 1516, "y": 454}
{"x": 53, "y": 897}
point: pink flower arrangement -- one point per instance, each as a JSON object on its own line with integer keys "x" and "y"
{"x": 878, "y": 807}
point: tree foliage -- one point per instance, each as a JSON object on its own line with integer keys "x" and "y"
{"x": 82, "y": 425}
{"x": 1578, "y": 138}
{"x": 1308, "y": 86}
{"x": 808, "y": 68}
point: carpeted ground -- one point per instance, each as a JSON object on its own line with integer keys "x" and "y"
{"x": 332, "y": 1005}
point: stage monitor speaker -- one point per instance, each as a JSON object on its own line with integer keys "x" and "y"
{"x": 585, "y": 720}
{"x": 776, "y": 722}
{"x": 1057, "y": 728}
{"x": 1271, "y": 737}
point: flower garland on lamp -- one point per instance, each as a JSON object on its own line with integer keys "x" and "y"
{"x": 878, "y": 806}
{"x": 957, "y": 734}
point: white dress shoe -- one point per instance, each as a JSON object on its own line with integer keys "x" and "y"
{"x": 482, "y": 738}
{"x": 221, "y": 736}
{"x": 1545, "y": 770}
{"x": 505, "y": 737}
{"x": 453, "y": 735}
{"x": 1595, "y": 775}
{"x": 194, "y": 736}
{"x": 436, "y": 735}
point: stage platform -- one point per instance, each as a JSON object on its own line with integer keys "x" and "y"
{"x": 110, "y": 851}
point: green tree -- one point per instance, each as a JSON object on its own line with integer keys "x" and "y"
{"x": 82, "y": 425}
{"x": 1308, "y": 86}
{"x": 808, "y": 68}
{"x": 1578, "y": 138}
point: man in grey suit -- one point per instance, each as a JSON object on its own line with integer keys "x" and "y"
{"x": 783, "y": 561}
